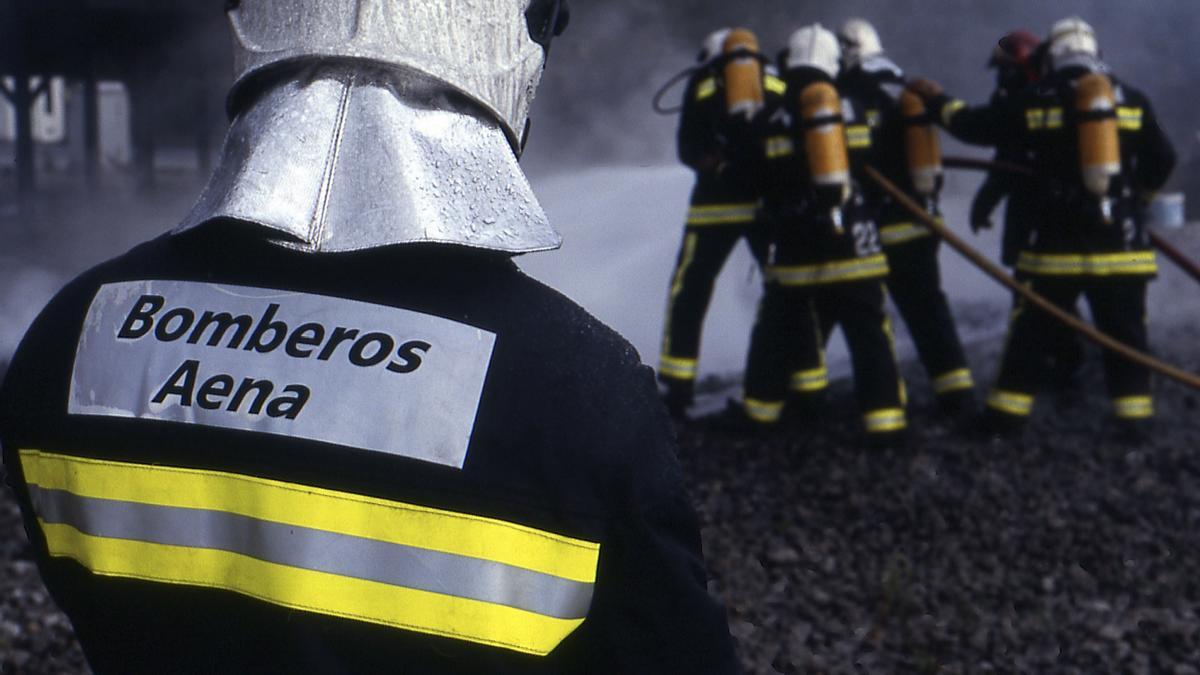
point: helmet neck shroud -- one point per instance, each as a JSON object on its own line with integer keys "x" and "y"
{"x": 345, "y": 155}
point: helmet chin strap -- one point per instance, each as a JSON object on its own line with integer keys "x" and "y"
{"x": 547, "y": 19}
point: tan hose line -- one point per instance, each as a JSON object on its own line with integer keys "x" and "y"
{"x": 996, "y": 272}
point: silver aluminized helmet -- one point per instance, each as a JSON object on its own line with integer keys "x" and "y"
{"x": 1072, "y": 42}
{"x": 859, "y": 41}
{"x": 713, "y": 45}
{"x": 484, "y": 49}
{"x": 360, "y": 124}
{"x": 814, "y": 47}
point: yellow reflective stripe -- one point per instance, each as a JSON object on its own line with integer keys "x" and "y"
{"x": 858, "y": 136}
{"x": 950, "y": 110}
{"x": 677, "y": 368}
{"x": 1035, "y": 118}
{"x": 1129, "y": 119}
{"x": 885, "y": 420}
{"x": 319, "y": 509}
{"x": 1133, "y": 407}
{"x": 780, "y": 146}
{"x": 900, "y": 233}
{"x": 723, "y": 214}
{"x": 831, "y": 272}
{"x": 319, "y": 592}
{"x": 775, "y": 85}
{"x": 810, "y": 380}
{"x": 1054, "y": 118}
{"x": 764, "y": 412}
{"x": 1013, "y": 403}
{"x": 706, "y": 89}
{"x": 956, "y": 380}
{"x": 1088, "y": 264}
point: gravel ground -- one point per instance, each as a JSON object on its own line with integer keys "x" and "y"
{"x": 1064, "y": 552}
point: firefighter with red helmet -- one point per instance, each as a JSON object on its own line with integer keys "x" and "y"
{"x": 906, "y": 152}
{"x": 1015, "y": 59}
{"x": 728, "y": 88}
{"x": 1098, "y": 155}
{"x": 826, "y": 257}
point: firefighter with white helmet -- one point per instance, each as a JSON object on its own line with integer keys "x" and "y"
{"x": 327, "y": 426}
{"x": 730, "y": 85}
{"x": 826, "y": 257}
{"x": 1098, "y": 155}
{"x": 907, "y": 152}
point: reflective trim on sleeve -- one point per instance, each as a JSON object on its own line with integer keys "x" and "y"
{"x": 678, "y": 368}
{"x": 1011, "y": 402}
{"x": 1054, "y": 118}
{"x": 957, "y": 380}
{"x": 339, "y": 554}
{"x": 816, "y": 379}
{"x": 885, "y": 421}
{"x": 723, "y": 214}
{"x": 899, "y": 233}
{"x": 950, "y": 110}
{"x": 706, "y": 89}
{"x": 1129, "y": 119}
{"x": 858, "y": 136}
{"x": 1088, "y": 264}
{"x": 763, "y": 412}
{"x": 780, "y": 146}
{"x": 1035, "y": 119}
{"x": 1133, "y": 407}
{"x": 775, "y": 85}
{"x": 855, "y": 269}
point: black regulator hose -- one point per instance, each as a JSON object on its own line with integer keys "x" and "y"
{"x": 658, "y": 97}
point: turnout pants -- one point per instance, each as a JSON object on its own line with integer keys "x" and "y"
{"x": 915, "y": 284}
{"x": 703, "y": 253}
{"x": 787, "y": 362}
{"x": 1118, "y": 306}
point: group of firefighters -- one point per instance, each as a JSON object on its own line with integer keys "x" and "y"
{"x": 782, "y": 153}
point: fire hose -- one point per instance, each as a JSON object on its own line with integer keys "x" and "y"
{"x": 996, "y": 272}
{"x": 1174, "y": 254}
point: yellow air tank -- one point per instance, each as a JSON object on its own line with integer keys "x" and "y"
{"x": 825, "y": 139}
{"x": 921, "y": 145}
{"x": 1099, "y": 145}
{"x": 743, "y": 74}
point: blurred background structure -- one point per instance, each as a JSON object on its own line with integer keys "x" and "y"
{"x": 96, "y": 85}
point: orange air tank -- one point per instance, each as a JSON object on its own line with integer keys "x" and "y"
{"x": 825, "y": 138}
{"x": 743, "y": 74}
{"x": 921, "y": 145}
{"x": 1099, "y": 144}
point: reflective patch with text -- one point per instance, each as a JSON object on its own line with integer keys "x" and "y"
{"x": 294, "y": 364}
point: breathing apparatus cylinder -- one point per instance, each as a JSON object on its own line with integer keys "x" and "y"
{"x": 825, "y": 142}
{"x": 743, "y": 74}
{"x": 1099, "y": 143}
{"x": 921, "y": 144}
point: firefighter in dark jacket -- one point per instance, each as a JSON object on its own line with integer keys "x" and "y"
{"x": 915, "y": 283}
{"x": 723, "y": 96}
{"x": 1015, "y": 61}
{"x": 326, "y": 425}
{"x": 1018, "y": 59}
{"x": 1098, "y": 154}
{"x": 826, "y": 256}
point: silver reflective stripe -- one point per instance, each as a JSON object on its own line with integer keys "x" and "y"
{"x": 319, "y": 551}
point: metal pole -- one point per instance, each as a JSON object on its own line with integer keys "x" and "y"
{"x": 994, "y": 271}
